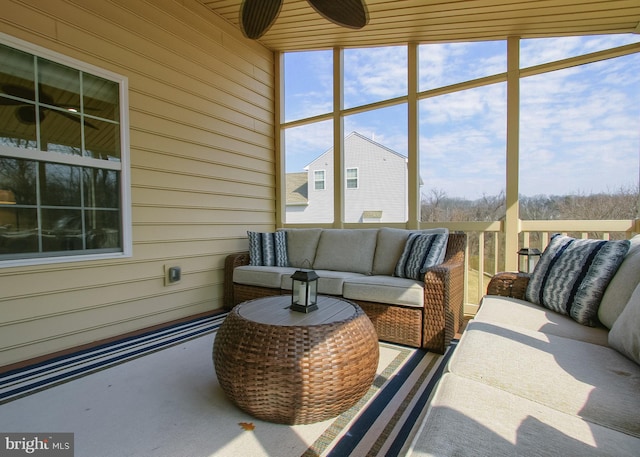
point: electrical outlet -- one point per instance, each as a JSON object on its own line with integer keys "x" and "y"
{"x": 172, "y": 274}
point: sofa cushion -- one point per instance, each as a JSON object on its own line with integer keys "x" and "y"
{"x": 572, "y": 275}
{"x": 346, "y": 250}
{"x": 625, "y": 333}
{"x": 268, "y": 249}
{"x": 389, "y": 246}
{"x": 261, "y": 276}
{"x": 622, "y": 285}
{"x": 471, "y": 418}
{"x": 586, "y": 380}
{"x": 509, "y": 312}
{"x": 329, "y": 282}
{"x": 421, "y": 251}
{"x": 385, "y": 289}
{"x": 301, "y": 246}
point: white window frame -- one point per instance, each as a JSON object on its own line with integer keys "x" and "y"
{"x": 357, "y": 178}
{"x": 316, "y": 181}
{"x": 123, "y": 166}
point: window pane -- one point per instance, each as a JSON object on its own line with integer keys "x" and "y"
{"x": 16, "y": 74}
{"x": 319, "y": 180}
{"x": 102, "y": 140}
{"x": 18, "y": 230}
{"x": 61, "y": 230}
{"x": 308, "y": 84}
{"x": 309, "y": 149}
{"x": 101, "y": 188}
{"x": 543, "y": 50}
{"x": 59, "y": 185}
{"x": 579, "y": 138}
{"x": 60, "y": 132}
{"x": 103, "y": 229}
{"x": 374, "y": 74}
{"x": 18, "y": 177}
{"x": 377, "y": 147}
{"x": 59, "y": 85}
{"x": 451, "y": 63}
{"x": 100, "y": 97}
{"x": 463, "y": 155}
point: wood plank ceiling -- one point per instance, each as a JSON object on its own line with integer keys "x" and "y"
{"x": 392, "y": 22}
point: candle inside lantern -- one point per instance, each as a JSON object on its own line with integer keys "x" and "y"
{"x": 302, "y": 292}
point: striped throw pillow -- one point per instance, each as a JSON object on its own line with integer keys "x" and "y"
{"x": 572, "y": 275}
{"x": 421, "y": 251}
{"x": 268, "y": 249}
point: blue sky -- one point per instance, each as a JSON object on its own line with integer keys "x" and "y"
{"x": 580, "y": 127}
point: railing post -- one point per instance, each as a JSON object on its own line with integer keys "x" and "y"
{"x": 512, "y": 215}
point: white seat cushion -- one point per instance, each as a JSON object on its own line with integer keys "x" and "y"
{"x": 261, "y": 276}
{"x": 587, "y": 380}
{"x": 385, "y": 289}
{"x": 519, "y": 313}
{"x": 468, "y": 418}
{"x": 329, "y": 282}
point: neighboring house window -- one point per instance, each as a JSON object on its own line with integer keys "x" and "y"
{"x": 63, "y": 158}
{"x": 319, "y": 180}
{"x": 352, "y": 178}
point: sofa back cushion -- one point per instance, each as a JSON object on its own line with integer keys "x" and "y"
{"x": 301, "y": 246}
{"x": 572, "y": 275}
{"x": 622, "y": 285}
{"x": 346, "y": 250}
{"x": 625, "y": 332}
{"x": 390, "y": 245}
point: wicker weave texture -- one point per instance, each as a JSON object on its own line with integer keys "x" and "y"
{"x": 295, "y": 374}
{"x": 509, "y": 284}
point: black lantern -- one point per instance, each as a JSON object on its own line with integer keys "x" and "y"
{"x": 304, "y": 294}
{"x": 528, "y": 258}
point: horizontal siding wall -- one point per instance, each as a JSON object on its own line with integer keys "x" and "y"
{"x": 202, "y": 168}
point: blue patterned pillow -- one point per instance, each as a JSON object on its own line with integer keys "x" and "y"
{"x": 572, "y": 275}
{"x": 268, "y": 249}
{"x": 421, "y": 251}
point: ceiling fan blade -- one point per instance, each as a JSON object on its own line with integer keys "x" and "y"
{"x": 18, "y": 91}
{"x": 347, "y": 13}
{"x": 10, "y": 102}
{"x": 74, "y": 118}
{"x": 257, "y": 16}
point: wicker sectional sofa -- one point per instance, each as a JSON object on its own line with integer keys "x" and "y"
{"x": 359, "y": 264}
{"x": 526, "y": 380}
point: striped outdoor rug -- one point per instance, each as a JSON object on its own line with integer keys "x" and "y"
{"x": 156, "y": 394}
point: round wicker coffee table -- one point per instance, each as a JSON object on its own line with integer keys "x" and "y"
{"x": 293, "y": 368}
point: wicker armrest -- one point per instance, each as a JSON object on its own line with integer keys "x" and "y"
{"x": 508, "y": 284}
{"x": 232, "y": 261}
{"x": 443, "y": 304}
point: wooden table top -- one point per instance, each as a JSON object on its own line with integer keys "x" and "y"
{"x": 275, "y": 310}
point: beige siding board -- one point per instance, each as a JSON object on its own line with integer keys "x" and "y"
{"x": 155, "y": 143}
{"x": 222, "y": 216}
{"x": 187, "y": 117}
{"x": 111, "y": 296}
{"x": 157, "y": 233}
{"x": 169, "y": 198}
{"x": 222, "y": 187}
{"x": 202, "y": 168}
{"x": 149, "y": 124}
{"x": 184, "y": 167}
{"x": 72, "y": 329}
